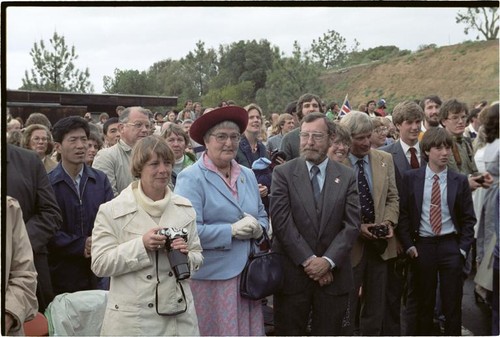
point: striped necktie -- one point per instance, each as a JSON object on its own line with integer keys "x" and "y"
{"x": 435, "y": 211}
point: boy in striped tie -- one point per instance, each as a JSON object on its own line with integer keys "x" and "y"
{"x": 436, "y": 228}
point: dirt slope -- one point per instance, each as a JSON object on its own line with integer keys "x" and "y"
{"x": 468, "y": 72}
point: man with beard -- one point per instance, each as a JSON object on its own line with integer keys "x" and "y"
{"x": 430, "y": 105}
{"x": 315, "y": 212}
{"x": 379, "y": 215}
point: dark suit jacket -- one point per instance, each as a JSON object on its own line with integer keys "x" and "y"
{"x": 401, "y": 164}
{"x": 290, "y": 144}
{"x": 459, "y": 199}
{"x": 27, "y": 181}
{"x": 244, "y": 156}
{"x": 298, "y": 231}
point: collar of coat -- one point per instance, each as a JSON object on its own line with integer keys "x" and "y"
{"x": 126, "y": 203}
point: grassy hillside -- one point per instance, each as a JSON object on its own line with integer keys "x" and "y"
{"x": 468, "y": 72}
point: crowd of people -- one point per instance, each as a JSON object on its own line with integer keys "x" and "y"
{"x": 379, "y": 216}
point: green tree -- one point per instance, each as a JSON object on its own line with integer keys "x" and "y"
{"x": 131, "y": 82}
{"x": 200, "y": 67}
{"x": 289, "y": 78}
{"x": 482, "y": 19}
{"x": 331, "y": 50}
{"x": 245, "y": 61}
{"x": 374, "y": 54}
{"x": 54, "y": 68}
{"x": 168, "y": 78}
{"x": 242, "y": 93}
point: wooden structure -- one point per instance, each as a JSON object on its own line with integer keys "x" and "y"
{"x": 57, "y": 105}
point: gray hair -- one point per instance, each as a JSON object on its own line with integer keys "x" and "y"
{"x": 126, "y": 113}
{"x": 357, "y": 122}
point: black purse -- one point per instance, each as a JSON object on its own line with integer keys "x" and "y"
{"x": 263, "y": 273}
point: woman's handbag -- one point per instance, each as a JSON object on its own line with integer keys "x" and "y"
{"x": 263, "y": 273}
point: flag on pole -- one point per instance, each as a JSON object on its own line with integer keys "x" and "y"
{"x": 346, "y": 108}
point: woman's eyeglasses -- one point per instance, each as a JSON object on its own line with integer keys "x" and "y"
{"x": 222, "y": 137}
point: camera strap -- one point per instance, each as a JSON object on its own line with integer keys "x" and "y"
{"x": 156, "y": 294}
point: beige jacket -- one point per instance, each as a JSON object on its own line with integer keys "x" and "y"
{"x": 114, "y": 161}
{"x": 49, "y": 163}
{"x": 20, "y": 274}
{"x": 118, "y": 252}
{"x": 385, "y": 199}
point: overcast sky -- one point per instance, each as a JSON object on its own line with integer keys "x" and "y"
{"x": 127, "y": 38}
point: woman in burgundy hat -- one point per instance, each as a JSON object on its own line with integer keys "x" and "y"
{"x": 229, "y": 213}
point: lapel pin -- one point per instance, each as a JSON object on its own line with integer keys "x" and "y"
{"x": 384, "y": 164}
{"x": 242, "y": 180}
{"x": 337, "y": 180}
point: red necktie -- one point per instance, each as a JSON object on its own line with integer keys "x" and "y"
{"x": 413, "y": 158}
{"x": 435, "y": 211}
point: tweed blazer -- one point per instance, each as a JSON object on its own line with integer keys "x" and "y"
{"x": 385, "y": 198}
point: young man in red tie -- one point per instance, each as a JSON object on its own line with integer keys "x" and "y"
{"x": 406, "y": 153}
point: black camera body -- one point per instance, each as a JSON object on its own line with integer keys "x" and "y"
{"x": 277, "y": 154}
{"x": 178, "y": 260}
{"x": 479, "y": 180}
{"x": 380, "y": 231}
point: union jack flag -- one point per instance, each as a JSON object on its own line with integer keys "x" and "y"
{"x": 346, "y": 108}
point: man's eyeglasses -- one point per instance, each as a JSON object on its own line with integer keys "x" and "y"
{"x": 139, "y": 125}
{"x": 222, "y": 137}
{"x": 455, "y": 118}
{"x": 317, "y": 136}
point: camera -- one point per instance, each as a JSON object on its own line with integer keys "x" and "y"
{"x": 178, "y": 260}
{"x": 380, "y": 231}
{"x": 277, "y": 154}
{"x": 479, "y": 180}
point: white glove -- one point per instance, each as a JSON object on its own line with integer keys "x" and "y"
{"x": 257, "y": 228}
{"x": 244, "y": 228}
{"x": 257, "y": 231}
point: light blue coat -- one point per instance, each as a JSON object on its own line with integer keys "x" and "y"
{"x": 216, "y": 209}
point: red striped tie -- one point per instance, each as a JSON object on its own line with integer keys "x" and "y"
{"x": 435, "y": 211}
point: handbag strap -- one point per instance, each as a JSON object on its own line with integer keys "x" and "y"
{"x": 254, "y": 243}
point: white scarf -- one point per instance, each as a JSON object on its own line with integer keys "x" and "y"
{"x": 154, "y": 208}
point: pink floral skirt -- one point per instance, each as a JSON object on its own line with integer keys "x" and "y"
{"x": 223, "y": 312}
